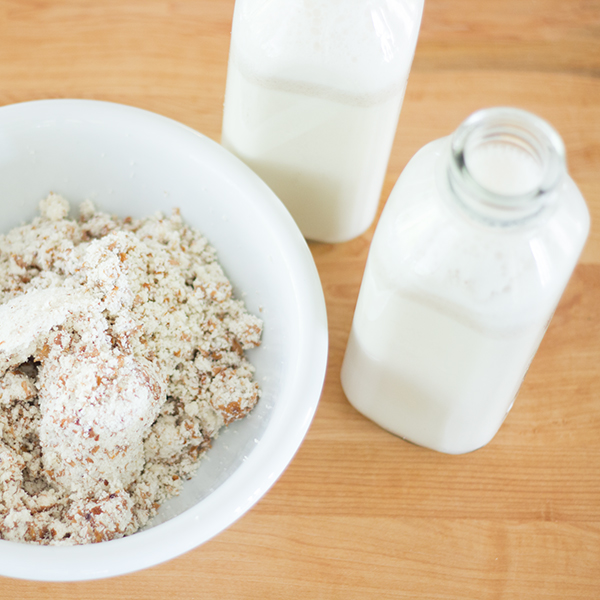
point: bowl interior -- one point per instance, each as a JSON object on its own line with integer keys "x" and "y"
{"x": 131, "y": 162}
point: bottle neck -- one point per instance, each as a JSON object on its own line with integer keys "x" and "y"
{"x": 506, "y": 166}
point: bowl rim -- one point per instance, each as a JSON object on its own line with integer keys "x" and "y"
{"x": 270, "y": 457}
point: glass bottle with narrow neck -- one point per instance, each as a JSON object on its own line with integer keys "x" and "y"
{"x": 314, "y": 91}
{"x": 471, "y": 255}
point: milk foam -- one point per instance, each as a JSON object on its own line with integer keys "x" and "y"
{"x": 346, "y": 46}
{"x": 504, "y": 169}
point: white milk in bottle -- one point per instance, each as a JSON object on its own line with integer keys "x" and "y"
{"x": 471, "y": 255}
{"x": 313, "y": 94}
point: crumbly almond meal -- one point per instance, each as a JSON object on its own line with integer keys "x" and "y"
{"x": 121, "y": 357}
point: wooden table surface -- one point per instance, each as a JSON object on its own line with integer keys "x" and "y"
{"x": 360, "y": 513}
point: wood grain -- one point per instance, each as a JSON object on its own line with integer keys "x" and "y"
{"x": 360, "y": 513}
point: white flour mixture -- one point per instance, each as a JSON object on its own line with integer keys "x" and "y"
{"x": 121, "y": 357}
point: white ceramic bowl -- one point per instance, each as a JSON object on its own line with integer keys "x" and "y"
{"x": 132, "y": 162}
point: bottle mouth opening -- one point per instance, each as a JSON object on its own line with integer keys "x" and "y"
{"x": 506, "y": 164}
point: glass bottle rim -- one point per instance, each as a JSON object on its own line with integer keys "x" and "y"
{"x": 520, "y": 129}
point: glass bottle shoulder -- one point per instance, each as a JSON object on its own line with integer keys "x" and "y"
{"x": 426, "y": 245}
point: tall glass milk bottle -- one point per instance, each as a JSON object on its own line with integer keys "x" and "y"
{"x": 471, "y": 255}
{"x": 313, "y": 95}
